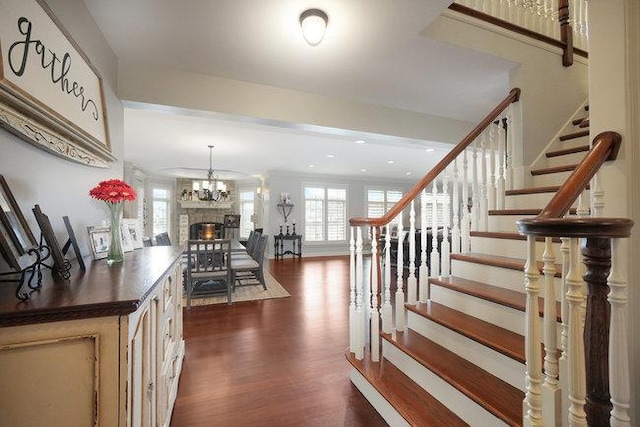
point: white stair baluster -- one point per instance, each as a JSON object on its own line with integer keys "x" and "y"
{"x": 400, "y": 310}
{"x": 352, "y": 292}
{"x": 575, "y": 339}
{"x": 446, "y": 213}
{"x": 509, "y": 145}
{"x": 484, "y": 186}
{"x": 551, "y": 397}
{"x": 412, "y": 281}
{"x": 493, "y": 176}
{"x": 424, "y": 269}
{"x": 435, "y": 256}
{"x": 533, "y": 376}
{"x": 466, "y": 217}
{"x": 475, "y": 188}
{"x": 360, "y": 312}
{"x": 501, "y": 169}
{"x": 597, "y": 197}
{"x": 563, "y": 363}
{"x": 374, "y": 325}
{"x": 618, "y": 342}
{"x": 387, "y": 308}
{"x": 455, "y": 229}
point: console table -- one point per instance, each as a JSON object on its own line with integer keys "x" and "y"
{"x": 296, "y": 245}
{"x": 102, "y": 348}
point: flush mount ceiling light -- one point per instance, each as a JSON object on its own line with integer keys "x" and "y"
{"x": 313, "y": 23}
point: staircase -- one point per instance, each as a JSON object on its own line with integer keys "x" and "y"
{"x": 461, "y": 358}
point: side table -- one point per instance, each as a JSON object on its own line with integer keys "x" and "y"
{"x": 296, "y": 245}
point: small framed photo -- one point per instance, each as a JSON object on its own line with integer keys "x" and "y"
{"x": 14, "y": 223}
{"x": 99, "y": 240}
{"x": 134, "y": 225}
{"x": 61, "y": 265}
{"x": 125, "y": 235}
{"x": 232, "y": 221}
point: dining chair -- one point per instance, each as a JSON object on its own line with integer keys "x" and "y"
{"x": 246, "y": 271}
{"x": 208, "y": 269}
{"x": 163, "y": 239}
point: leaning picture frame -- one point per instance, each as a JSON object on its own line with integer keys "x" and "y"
{"x": 125, "y": 235}
{"x": 61, "y": 265}
{"x": 134, "y": 225}
{"x": 14, "y": 221}
{"x": 99, "y": 241}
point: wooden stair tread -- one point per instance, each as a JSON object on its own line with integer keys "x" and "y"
{"x": 584, "y": 123}
{"x": 566, "y": 151}
{"x": 556, "y": 169}
{"x": 577, "y": 122}
{"x": 505, "y": 235}
{"x": 500, "y": 261}
{"x": 573, "y": 135}
{"x": 496, "y": 396}
{"x": 501, "y": 340}
{"x": 506, "y": 297}
{"x": 415, "y": 405}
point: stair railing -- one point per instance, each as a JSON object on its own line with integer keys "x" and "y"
{"x": 561, "y": 23}
{"x": 473, "y": 160}
{"x": 593, "y": 364}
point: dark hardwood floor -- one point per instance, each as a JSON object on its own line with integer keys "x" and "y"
{"x": 275, "y": 362}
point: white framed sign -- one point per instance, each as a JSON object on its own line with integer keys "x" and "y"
{"x": 50, "y": 94}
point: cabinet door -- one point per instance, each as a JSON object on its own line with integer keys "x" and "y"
{"x": 142, "y": 368}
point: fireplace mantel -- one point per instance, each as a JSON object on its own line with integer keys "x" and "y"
{"x": 204, "y": 204}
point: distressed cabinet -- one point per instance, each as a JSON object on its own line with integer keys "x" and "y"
{"x": 102, "y": 349}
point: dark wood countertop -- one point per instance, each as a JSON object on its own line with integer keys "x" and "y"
{"x": 100, "y": 291}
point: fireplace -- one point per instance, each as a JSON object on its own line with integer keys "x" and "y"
{"x": 206, "y": 230}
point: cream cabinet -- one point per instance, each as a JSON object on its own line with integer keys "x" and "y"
{"x": 107, "y": 352}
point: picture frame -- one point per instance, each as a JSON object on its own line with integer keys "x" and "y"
{"x": 34, "y": 105}
{"x": 72, "y": 242}
{"x": 125, "y": 235}
{"x": 14, "y": 221}
{"x": 232, "y": 221}
{"x": 99, "y": 241}
{"x": 60, "y": 266}
{"x": 134, "y": 226}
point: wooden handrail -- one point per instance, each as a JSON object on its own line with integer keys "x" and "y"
{"x": 605, "y": 147}
{"x": 514, "y": 96}
{"x": 576, "y": 227}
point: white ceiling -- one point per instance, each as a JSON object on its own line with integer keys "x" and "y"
{"x": 372, "y": 53}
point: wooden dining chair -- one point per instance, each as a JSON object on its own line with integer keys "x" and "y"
{"x": 208, "y": 269}
{"x": 246, "y": 271}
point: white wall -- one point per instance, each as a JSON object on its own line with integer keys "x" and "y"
{"x": 60, "y": 186}
{"x": 283, "y": 182}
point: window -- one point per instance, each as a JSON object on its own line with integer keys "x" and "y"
{"x": 380, "y": 201}
{"x": 440, "y": 208}
{"x": 160, "y": 212}
{"x": 325, "y": 213}
{"x": 246, "y": 213}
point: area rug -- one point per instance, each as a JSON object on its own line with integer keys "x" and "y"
{"x": 243, "y": 293}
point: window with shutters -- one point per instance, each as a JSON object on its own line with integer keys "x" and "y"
{"x": 160, "y": 210}
{"x": 379, "y": 201}
{"x": 246, "y": 212}
{"x": 325, "y": 213}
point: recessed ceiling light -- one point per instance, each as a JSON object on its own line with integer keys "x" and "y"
{"x": 360, "y": 141}
{"x": 407, "y": 173}
{"x": 391, "y": 161}
{"x": 429, "y": 150}
{"x": 363, "y": 170}
{"x": 311, "y": 166}
{"x": 331, "y": 156}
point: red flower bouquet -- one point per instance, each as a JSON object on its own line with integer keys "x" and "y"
{"x": 114, "y": 192}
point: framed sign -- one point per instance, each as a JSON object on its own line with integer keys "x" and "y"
{"x": 50, "y": 95}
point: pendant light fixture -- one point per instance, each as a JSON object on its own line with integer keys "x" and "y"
{"x": 314, "y": 24}
{"x": 212, "y": 179}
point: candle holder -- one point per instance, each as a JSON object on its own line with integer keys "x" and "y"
{"x": 288, "y": 230}
{"x": 294, "y": 229}
{"x": 281, "y": 230}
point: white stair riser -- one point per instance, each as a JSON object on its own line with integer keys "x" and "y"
{"x": 566, "y": 159}
{"x": 496, "y": 276}
{"x": 531, "y": 201}
{"x": 506, "y": 222}
{"x": 384, "y": 408}
{"x": 499, "y": 315}
{"x": 549, "y": 179}
{"x": 508, "y": 247}
{"x": 574, "y": 142}
{"x": 459, "y": 403}
{"x": 497, "y": 364}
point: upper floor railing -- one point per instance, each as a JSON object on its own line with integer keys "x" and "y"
{"x": 561, "y": 23}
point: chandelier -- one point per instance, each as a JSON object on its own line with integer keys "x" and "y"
{"x": 213, "y": 189}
